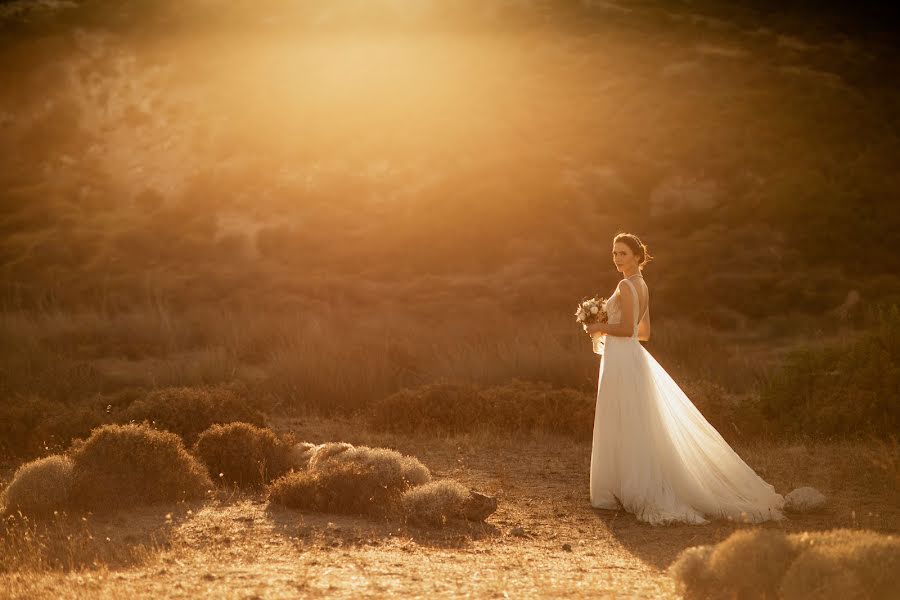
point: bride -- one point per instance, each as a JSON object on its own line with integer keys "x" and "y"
{"x": 653, "y": 452}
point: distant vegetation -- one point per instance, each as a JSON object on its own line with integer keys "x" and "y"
{"x": 399, "y": 199}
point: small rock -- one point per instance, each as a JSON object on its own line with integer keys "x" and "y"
{"x": 518, "y": 531}
{"x": 804, "y": 499}
{"x": 567, "y": 547}
{"x": 209, "y": 577}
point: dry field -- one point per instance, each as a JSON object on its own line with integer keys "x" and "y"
{"x": 544, "y": 540}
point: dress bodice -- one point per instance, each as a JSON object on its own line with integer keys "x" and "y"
{"x": 614, "y": 307}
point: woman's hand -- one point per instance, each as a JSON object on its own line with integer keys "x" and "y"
{"x": 592, "y": 328}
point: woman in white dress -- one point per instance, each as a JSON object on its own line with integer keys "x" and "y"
{"x": 653, "y": 453}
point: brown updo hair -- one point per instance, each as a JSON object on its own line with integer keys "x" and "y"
{"x": 636, "y": 245}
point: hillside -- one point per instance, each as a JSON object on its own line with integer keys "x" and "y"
{"x": 279, "y": 157}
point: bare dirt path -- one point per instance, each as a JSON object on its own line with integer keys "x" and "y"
{"x": 544, "y": 540}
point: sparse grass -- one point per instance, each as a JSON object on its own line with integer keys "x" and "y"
{"x": 130, "y": 465}
{"x": 83, "y": 543}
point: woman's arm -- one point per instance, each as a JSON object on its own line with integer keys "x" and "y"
{"x": 618, "y": 329}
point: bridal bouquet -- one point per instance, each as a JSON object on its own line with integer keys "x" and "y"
{"x": 592, "y": 310}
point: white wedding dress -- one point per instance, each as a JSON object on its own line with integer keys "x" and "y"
{"x": 653, "y": 452}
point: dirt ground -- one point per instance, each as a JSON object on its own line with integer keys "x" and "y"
{"x": 544, "y": 540}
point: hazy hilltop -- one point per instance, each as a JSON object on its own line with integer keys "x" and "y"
{"x": 432, "y": 154}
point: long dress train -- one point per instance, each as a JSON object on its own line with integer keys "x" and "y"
{"x": 654, "y": 452}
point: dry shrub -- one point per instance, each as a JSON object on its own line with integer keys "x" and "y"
{"x": 298, "y": 489}
{"x": 188, "y": 411}
{"x": 845, "y": 390}
{"x": 346, "y": 479}
{"x": 389, "y": 464}
{"x": 29, "y": 425}
{"x": 436, "y": 503}
{"x": 768, "y": 551}
{"x": 300, "y": 455}
{"x": 322, "y": 452}
{"x": 844, "y": 564}
{"x": 339, "y": 488}
{"x": 516, "y": 406}
{"x": 127, "y": 465}
{"x": 244, "y": 455}
{"x": 691, "y": 572}
{"x": 40, "y": 486}
{"x": 758, "y": 563}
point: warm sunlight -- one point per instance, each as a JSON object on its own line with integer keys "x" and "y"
{"x": 449, "y": 298}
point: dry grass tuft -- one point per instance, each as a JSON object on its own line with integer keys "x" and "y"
{"x": 39, "y": 487}
{"x": 243, "y": 454}
{"x": 188, "y": 411}
{"x": 347, "y": 479}
{"x": 759, "y": 563}
{"x": 128, "y": 465}
{"x": 435, "y": 504}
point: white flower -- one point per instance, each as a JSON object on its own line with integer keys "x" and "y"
{"x": 594, "y": 310}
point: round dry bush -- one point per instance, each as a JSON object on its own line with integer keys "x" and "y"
{"x": 435, "y": 504}
{"x": 128, "y": 465}
{"x": 322, "y": 452}
{"x": 839, "y": 564}
{"x": 40, "y": 486}
{"x": 819, "y": 575}
{"x": 188, "y": 411}
{"x": 691, "y": 574}
{"x": 752, "y": 562}
{"x": 297, "y": 489}
{"x": 747, "y": 564}
{"x": 243, "y": 454}
{"x": 345, "y": 479}
{"x": 843, "y": 564}
{"x": 339, "y": 487}
{"x": 388, "y": 465}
